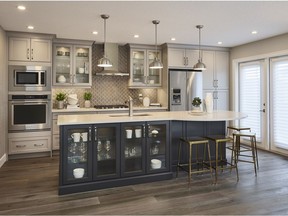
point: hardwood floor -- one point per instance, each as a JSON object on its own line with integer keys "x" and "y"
{"x": 29, "y": 186}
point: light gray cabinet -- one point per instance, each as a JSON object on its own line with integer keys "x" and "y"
{"x": 72, "y": 64}
{"x": 29, "y": 49}
{"x": 141, "y": 76}
{"x": 220, "y": 99}
{"x": 182, "y": 58}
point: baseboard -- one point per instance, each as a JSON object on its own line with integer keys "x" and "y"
{"x": 3, "y": 159}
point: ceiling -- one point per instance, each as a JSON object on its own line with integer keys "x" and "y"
{"x": 228, "y": 21}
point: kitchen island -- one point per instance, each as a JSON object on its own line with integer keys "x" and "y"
{"x": 107, "y": 150}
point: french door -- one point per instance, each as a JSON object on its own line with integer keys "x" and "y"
{"x": 279, "y": 104}
{"x": 253, "y": 99}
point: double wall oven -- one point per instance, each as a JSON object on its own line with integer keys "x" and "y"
{"x": 29, "y": 98}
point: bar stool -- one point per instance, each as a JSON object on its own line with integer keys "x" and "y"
{"x": 221, "y": 139}
{"x": 252, "y": 148}
{"x": 194, "y": 141}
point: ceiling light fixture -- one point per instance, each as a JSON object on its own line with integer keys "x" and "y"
{"x": 220, "y": 42}
{"x": 173, "y": 39}
{"x": 21, "y": 7}
{"x": 199, "y": 65}
{"x": 254, "y": 32}
{"x": 104, "y": 62}
{"x": 30, "y": 27}
{"x": 95, "y": 32}
{"x": 156, "y": 64}
{"x": 136, "y": 36}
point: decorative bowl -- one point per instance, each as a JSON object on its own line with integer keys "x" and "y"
{"x": 78, "y": 173}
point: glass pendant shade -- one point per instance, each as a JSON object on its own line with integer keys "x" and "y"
{"x": 156, "y": 64}
{"x": 199, "y": 65}
{"x": 104, "y": 62}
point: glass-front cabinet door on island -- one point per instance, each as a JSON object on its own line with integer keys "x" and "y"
{"x": 106, "y": 151}
{"x": 140, "y": 73}
{"x": 145, "y": 148}
{"x": 71, "y": 65}
{"x": 76, "y": 155}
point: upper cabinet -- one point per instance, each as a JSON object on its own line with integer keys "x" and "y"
{"x": 182, "y": 58}
{"x": 141, "y": 76}
{"x": 26, "y": 49}
{"x": 71, "y": 64}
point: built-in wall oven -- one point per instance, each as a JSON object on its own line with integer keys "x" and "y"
{"x": 29, "y": 112}
{"x": 29, "y": 78}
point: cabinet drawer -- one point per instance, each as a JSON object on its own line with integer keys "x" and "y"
{"x": 29, "y": 143}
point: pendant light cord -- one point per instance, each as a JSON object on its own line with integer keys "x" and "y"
{"x": 104, "y": 37}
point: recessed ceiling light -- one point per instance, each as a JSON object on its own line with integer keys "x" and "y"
{"x": 95, "y": 32}
{"x": 254, "y": 32}
{"x": 219, "y": 42}
{"x": 21, "y": 7}
{"x": 136, "y": 36}
{"x": 173, "y": 39}
{"x": 30, "y": 27}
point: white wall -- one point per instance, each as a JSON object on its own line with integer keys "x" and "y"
{"x": 3, "y": 97}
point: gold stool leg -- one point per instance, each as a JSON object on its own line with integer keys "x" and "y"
{"x": 253, "y": 154}
{"x": 210, "y": 164}
{"x": 190, "y": 165}
{"x": 216, "y": 162}
{"x": 179, "y": 155}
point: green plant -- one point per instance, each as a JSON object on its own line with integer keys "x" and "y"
{"x": 60, "y": 96}
{"x": 196, "y": 102}
{"x": 87, "y": 96}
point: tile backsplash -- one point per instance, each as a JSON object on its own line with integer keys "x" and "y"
{"x": 108, "y": 90}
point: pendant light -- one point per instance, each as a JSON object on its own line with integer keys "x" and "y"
{"x": 199, "y": 65}
{"x": 104, "y": 62}
{"x": 156, "y": 64}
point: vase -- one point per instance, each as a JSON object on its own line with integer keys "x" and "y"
{"x": 196, "y": 109}
{"x": 87, "y": 104}
{"x": 60, "y": 104}
{"x": 209, "y": 102}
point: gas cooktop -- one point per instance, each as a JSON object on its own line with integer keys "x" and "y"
{"x": 117, "y": 106}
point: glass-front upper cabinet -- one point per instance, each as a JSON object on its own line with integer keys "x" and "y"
{"x": 72, "y": 65}
{"x": 157, "y": 146}
{"x": 133, "y": 149}
{"x": 141, "y": 76}
{"x": 106, "y": 151}
{"x": 76, "y": 155}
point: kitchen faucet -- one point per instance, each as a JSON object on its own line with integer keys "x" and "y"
{"x": 130, "y": 106}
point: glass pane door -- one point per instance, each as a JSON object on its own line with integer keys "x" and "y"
{"x": 133, "y": 156}
{"x": 107, "y": 150}
{"x": 81, "y": 70}
{"x": 157, "y": 147}
{"x": 77, "y": 154}
{"x": 138, "y": 67}
{"x": 279, "y": 104}
{"x": 154, "y": 76}
{"x": 62, "y": 64}
{"x": 252, "y": 95}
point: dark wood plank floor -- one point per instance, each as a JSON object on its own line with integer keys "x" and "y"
{"x": 29, "y": 186}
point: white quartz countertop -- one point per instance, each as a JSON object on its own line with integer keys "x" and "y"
{"x": 148, "y": 116}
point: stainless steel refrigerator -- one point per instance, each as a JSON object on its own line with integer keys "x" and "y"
{"x": 183, "y": 87}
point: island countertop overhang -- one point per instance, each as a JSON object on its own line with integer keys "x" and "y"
{"x": 150, "y": 116}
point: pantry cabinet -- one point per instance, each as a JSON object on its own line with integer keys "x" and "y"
{"x": 72, "y": 64}
{"x": 141, "y": 76}
{"x": 29, "y": 49}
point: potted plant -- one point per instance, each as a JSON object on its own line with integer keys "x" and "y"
{"x": 196, "y": 103}
{"x": 87, "y": 98}
{"x": 60, "y": 97}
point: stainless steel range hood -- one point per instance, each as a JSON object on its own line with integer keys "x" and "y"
{"x": 112, "y": 52}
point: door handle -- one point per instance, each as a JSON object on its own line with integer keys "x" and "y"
{"x": 263, "y": 110}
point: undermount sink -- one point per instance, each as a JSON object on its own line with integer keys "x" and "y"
{"x": 125, "y": 115}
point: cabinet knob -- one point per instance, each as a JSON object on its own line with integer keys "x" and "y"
{"x": 27, "y": 53}
{"x": 32, "y": 54}
{"x": 38, "y": 145}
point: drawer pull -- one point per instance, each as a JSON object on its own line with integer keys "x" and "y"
{"x": 38, "y": 145}
{"x": 20, "y": 146}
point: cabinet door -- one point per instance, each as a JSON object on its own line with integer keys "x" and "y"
{"x": 192, "y": 57}
{"x": 158, "y": 147}
{"x": 40, "y": 50}
{"x": 153, "y": 75}
{"x": 19, "y": 49}
{"x": 106, "y": 151}
{"x": 133, "y": 149}
{"x": 208, "y": 75}
{"x": 82, "y": 66}
{"x": 221, "y": 100}
{"x": 138, "y": 67}
{"x": 62, "y": 64}
{"x": 176, "y": 58}
{"x": 222, "y": 70}
{"x": 76, "y": 154}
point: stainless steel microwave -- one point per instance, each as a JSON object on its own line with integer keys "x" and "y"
{"x": 29, "y": 78}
